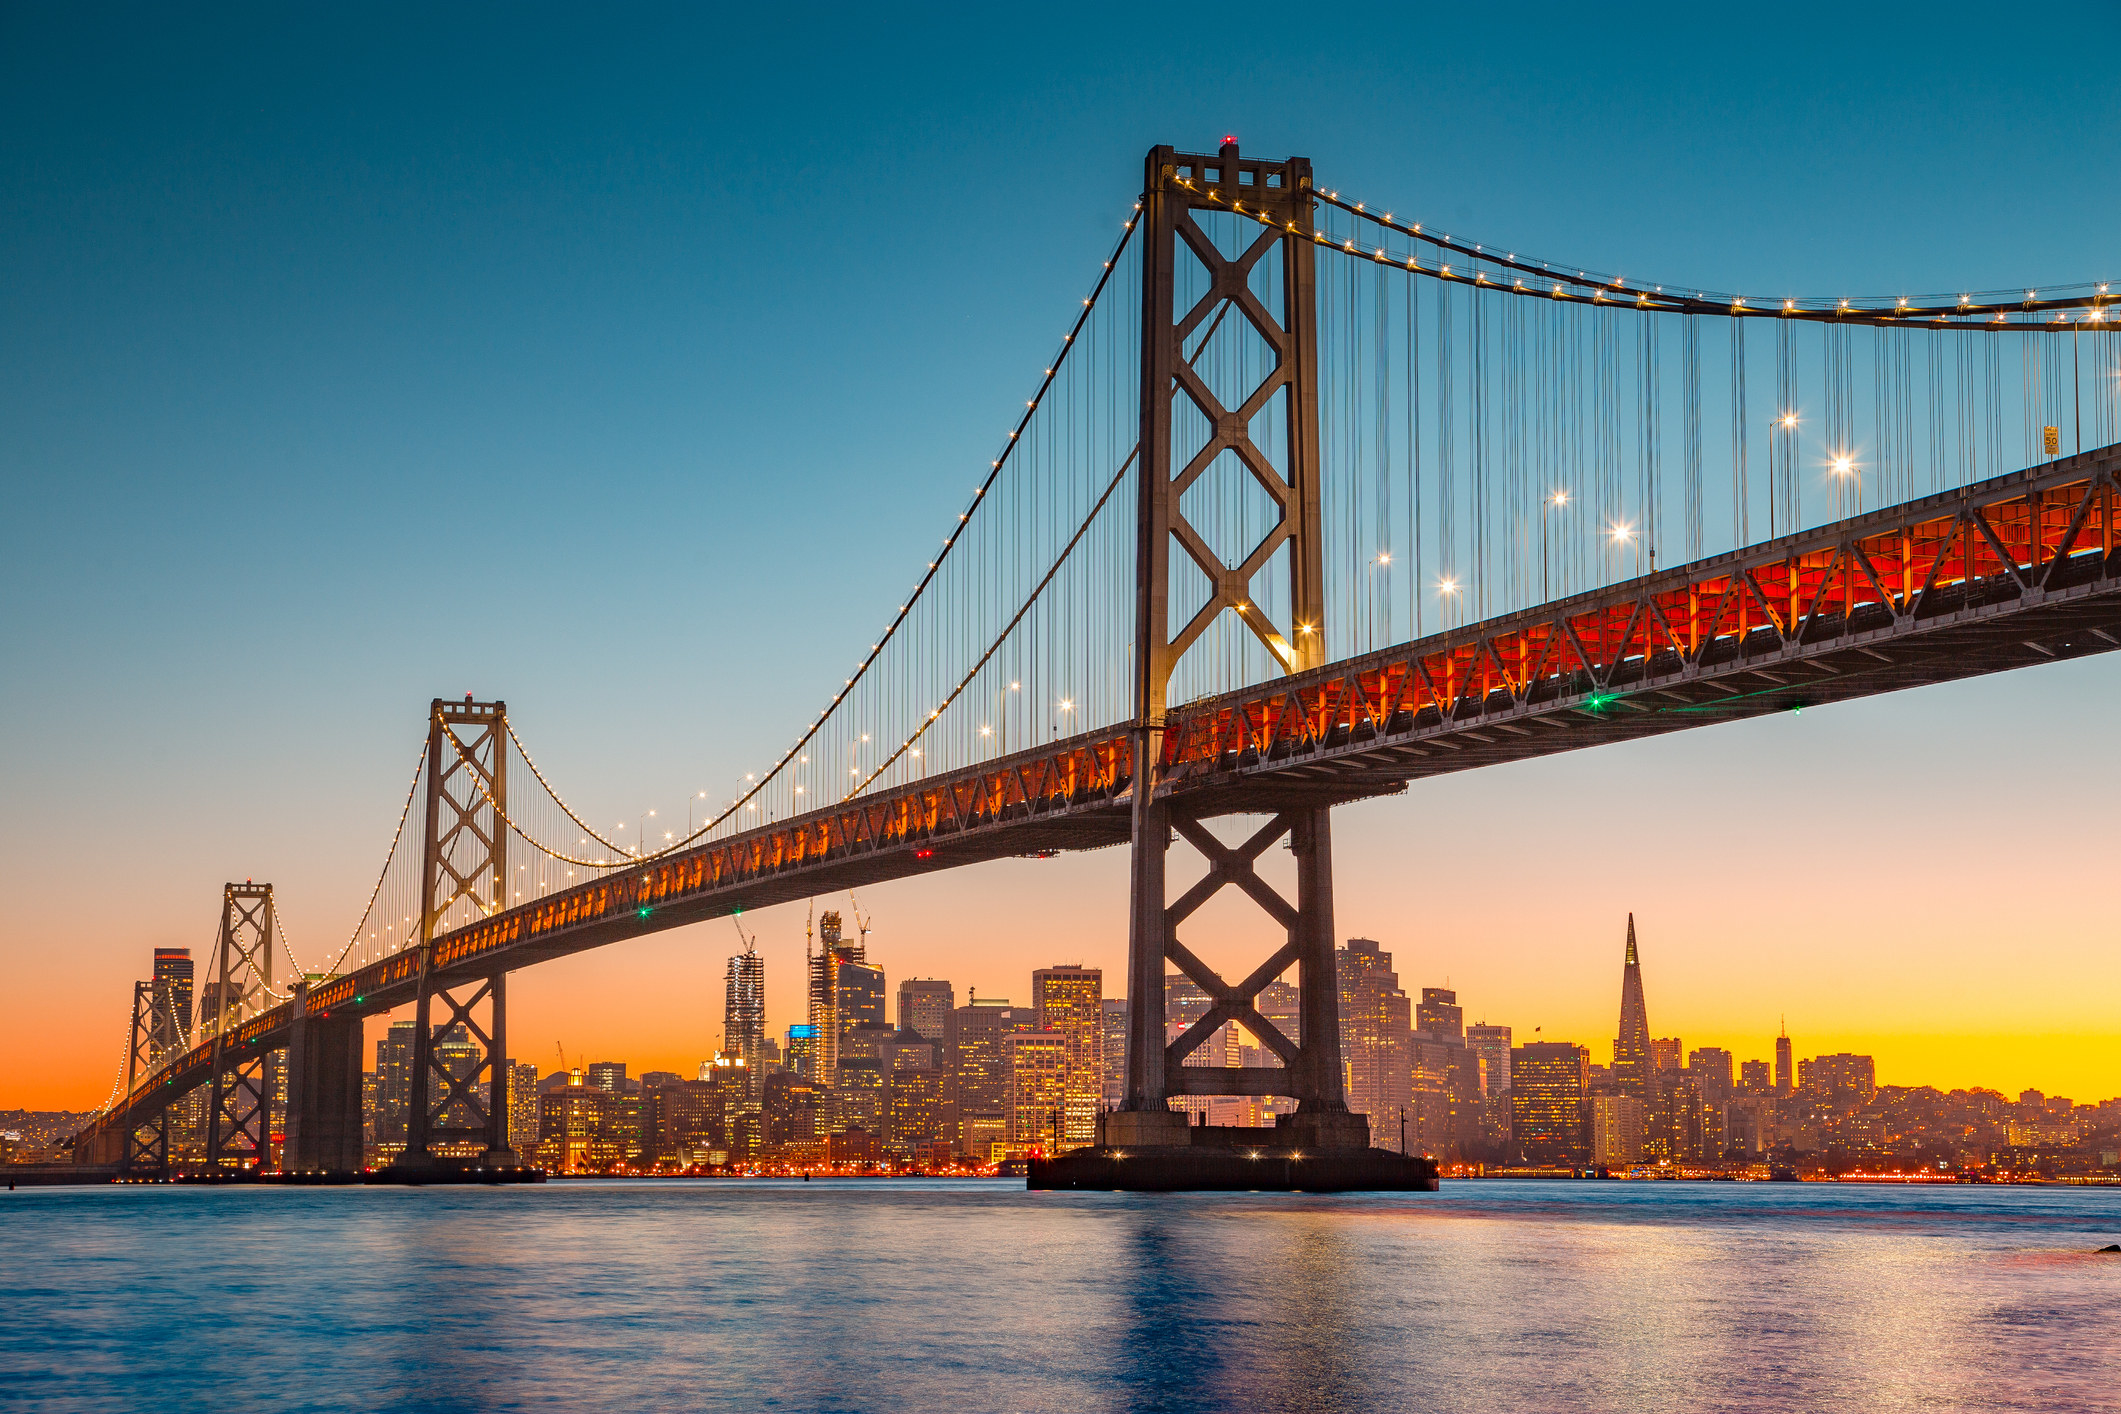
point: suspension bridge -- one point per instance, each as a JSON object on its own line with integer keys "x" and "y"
{"x": 1312, "y": 500}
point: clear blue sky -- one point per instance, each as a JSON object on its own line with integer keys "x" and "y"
{"x": 608, "y": 361}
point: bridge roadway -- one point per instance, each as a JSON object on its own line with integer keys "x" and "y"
{"x": 2008, "y": 573}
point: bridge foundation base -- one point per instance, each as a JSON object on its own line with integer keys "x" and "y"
{"x": 1295, "y": 1156}
{"x": 437, "y": 1174}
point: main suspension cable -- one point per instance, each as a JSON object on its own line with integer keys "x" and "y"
{"x": 1983, "y": 310}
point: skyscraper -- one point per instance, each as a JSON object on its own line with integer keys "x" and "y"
{"x": 924, "y": 1005}
{"x": 1634, "y": 1060}
{"x": 839, "y": 998}
{"x": 1112, "y": 1038}
{"x": 169, "y": 1026}
{"x": 1492, "y": 1045}
{"x": 1376, "y": 1038}
{"x": 1549, "y": 1084}
{"x": 800, "y": 1054}
{"x": 1070, "y": 1002}
{"x": 744, "y": 1012}
{"x": 1445, "y": 1113}
{"x": 1439, "y": 1014}
{"x": 978, "y": 1051}
{"x": 1710, "y": 1068}
{"x": 1616, "y": 1129}
{"x": 523, "y": 1109}
{"x": 792, "y": 1120}
{"x": 1039, "y": 1066}
{"x": 1785, "y": 1068}
{"x": 393, "y": 1088}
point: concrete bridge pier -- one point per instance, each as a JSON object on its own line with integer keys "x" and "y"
{"x": 324, "y": 1120}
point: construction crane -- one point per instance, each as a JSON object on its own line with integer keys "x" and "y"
{"x": 861, "y": 920}
{"x": 751, "y": 944}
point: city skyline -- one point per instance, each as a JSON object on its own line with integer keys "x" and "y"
{"x": 299, "y": 408}
{"x": 779, "y": 1010}
{"x": 945, "y": 1086}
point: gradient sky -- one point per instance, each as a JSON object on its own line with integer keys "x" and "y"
{"x": 607, "y": 362}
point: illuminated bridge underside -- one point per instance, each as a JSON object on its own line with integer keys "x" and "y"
{"x": 2005, "y": 574}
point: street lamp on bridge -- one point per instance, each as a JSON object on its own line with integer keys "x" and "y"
{"x": 1553, "y": 502}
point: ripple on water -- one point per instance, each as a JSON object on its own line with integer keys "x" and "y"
{"x": 975, "y": 1296}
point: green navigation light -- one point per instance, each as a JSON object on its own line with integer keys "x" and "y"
{"x": 1599, "y": 701}
{"x": 645, "y": 912}
{"x": 359, "y": 1000}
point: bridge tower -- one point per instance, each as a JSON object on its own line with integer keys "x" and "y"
{"x": 464, "y": 876}
{"x": 1180, "y": 188}
{"x": 239, "y": 1104}
{"x": 147, "y": 1135}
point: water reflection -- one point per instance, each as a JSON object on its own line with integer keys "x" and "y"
{"x": 979, "y": 1296}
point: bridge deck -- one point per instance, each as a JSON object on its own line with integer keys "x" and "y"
{"x": 2015, "y": 571}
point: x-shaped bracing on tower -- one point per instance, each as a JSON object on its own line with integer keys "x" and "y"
{"x": 1227, "y": 866}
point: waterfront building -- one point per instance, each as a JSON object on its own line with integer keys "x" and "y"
{"x": 1549, "y": 1085}
{"x": 1069, "y": 1001}
{"x": 1616, "y": 1129}
{"x": 1039, "y": 1066}
{"x": 680, "y": 1119}
{"x": 1376, "y": 1038}
{"x": 744, "y": 1011}
{"x": 585, "y": 1129}
{"x": 924, "y": 1006}
{"x": 979, "y": 1131}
